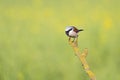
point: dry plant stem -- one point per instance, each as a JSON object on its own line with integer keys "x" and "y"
{"x": 82, "y": 57}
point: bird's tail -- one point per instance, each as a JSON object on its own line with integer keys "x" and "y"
{"x": 80, "y": 30}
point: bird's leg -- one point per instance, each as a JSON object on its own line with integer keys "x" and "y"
{"x": 69, "y": 39}
{"x": 76, "y": 41}
{"x": 77, "y": 38}
{"x": 73, "y": 40}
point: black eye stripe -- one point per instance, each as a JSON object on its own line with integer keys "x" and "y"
{"x": 69, "y": 29}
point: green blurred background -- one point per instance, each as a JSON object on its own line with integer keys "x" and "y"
{"x": 33, "y": 44}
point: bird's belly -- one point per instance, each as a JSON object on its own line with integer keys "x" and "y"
{"x": 73, "y": 34}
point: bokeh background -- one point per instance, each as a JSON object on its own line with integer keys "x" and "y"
{"x": 33, "y": 44}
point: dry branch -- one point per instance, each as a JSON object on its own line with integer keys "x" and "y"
{"x": 82, "y": 57}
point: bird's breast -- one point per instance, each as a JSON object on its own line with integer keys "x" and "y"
{"x": 73, "y": 34}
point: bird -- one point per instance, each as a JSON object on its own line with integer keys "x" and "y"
{"x": 72, "y": 32}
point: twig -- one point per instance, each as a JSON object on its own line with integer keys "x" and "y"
{"x": 82, "y": 57}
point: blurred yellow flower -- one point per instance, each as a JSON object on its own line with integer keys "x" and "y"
{"x": 107, "y": 23}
